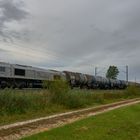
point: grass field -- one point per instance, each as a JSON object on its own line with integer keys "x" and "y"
{"x": 20, "y": 105}
{"x": 120, "y": 124}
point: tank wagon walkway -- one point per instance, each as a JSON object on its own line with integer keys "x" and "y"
{"x": 18, "y": 130}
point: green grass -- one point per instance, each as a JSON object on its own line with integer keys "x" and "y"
{"x": 120, "y": 124}
{"x": 19, "y": 105}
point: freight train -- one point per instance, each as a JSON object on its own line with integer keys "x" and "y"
{"x": 21, "y": 76}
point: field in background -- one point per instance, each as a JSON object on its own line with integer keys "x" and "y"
{"x": 120, "y": 124}
{"x": 18, "y": 105}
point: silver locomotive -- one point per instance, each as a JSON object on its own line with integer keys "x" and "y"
{"x": 21, "y": 76}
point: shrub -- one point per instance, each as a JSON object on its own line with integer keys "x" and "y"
{"x": 82, "y": 98}
{"x": 58, "y": 90}
{"x": 74, "y": 100}
{"x": 132, "y": 91}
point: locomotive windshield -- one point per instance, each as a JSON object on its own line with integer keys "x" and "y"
{"x": 2, "y": 69}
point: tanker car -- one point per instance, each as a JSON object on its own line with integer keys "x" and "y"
{"x": 93, "y": 82}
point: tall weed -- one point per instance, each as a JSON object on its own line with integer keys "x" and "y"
{"x": 58, "y": 93}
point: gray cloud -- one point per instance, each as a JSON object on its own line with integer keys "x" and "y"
{"x": 75, "y": 35}
{"x": 11, "y": 11}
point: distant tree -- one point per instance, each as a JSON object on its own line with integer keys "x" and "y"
{"x": 112, "y": 72}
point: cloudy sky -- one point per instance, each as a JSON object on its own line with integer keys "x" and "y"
{"x": 73, "y": 35}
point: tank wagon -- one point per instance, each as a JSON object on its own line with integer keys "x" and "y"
{"x": 93, "y": 82}
{"x": 21, "y": 76}
{"x": 134, "y": 84}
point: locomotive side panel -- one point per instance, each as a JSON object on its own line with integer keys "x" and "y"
{"x": 5, "y": 70}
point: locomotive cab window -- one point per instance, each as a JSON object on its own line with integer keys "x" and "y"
{"x": 20, "y": 72}
{"x": 2, "y": 69}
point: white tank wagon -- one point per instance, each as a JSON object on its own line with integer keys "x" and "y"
{"x": 21, "y": 76}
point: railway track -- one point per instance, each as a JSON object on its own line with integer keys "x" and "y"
{"x": 21, "y": 129}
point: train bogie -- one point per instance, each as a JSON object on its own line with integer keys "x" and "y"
{"x": 90, "y": 81}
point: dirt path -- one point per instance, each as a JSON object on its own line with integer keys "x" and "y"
{"x": 18, "y": 130}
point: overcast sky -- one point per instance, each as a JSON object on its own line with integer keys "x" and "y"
{"x": 72, "y": 35}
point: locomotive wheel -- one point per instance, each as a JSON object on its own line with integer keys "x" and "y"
{"x": 3, "y": 84}
{"x": 21, "y": 85}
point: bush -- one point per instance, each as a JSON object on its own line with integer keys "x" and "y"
{"x": 83, "y": 98}
{"x": 74, "y": 100}
{"x": 58, "y": 90}
{"x": 132, "y": 91}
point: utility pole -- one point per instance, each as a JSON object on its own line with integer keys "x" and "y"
{"x": 95, "y": 71}
{"x": 127, "y": 73}
{"x": 135, "y": 81}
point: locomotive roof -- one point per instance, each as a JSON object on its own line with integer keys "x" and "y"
{"x": 29, "y": 67}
